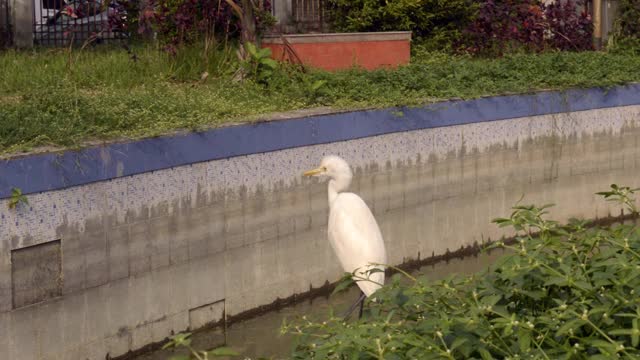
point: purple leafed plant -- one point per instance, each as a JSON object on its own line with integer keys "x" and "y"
{"x": 183, "y": 21}
{"x": 502, "y": 26}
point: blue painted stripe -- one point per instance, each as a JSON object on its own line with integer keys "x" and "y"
{"x": 46, "y": 172}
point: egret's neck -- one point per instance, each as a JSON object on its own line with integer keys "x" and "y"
{"x": 336, "y": 186}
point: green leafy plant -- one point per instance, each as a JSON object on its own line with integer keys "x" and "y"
{"x": 183, "y": 340}
{"x": 565, "y": 292}
{"x": 628, "y": 20}
{"x": 625, "y": 36}
{"x": 17, "y": 198}
{"x": 622, "y": 195}
{"x": 438, "y": 23}
{"x": 316, "y": 90}
{"x": 258, "y": 64}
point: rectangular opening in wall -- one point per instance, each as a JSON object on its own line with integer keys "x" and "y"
{"x": 36, "y": 273}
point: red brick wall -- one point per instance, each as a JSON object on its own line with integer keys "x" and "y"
{"x": 343, "y": 55}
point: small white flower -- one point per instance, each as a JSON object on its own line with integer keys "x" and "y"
{"x": 530, "y": 324}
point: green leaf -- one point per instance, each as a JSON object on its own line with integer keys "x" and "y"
{"x": 264, "y": 53}
{"x": 583, "y": 285}
{"x": 524, "y": 340}
{"x": 223, "y": 351}
{"x": 603, "y": 346}
{"x": 317, "y": 85}
{"x": 556, "y": 280}
{"x": 269, "y": 63}
{"x": 343, "y": 284}
{"x": 181, "y": 339}
{"x": 459, "y": 341}
{"x": 573, "y": 324}
{"x": 400, "y": 298}
{"x": 486, "y": 355}
{"x": 251, "y": 49}
{"x": 621, "y": 332}
{"x": 17, "y": 198}
{"x": 490, "y": 300}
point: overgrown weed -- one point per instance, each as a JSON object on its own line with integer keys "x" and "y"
{"x": 111, "y": 93}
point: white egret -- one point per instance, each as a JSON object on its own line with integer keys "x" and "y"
{"x": 353, "y": 232}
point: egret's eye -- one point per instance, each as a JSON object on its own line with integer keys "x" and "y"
{"x": 324, "y": 168}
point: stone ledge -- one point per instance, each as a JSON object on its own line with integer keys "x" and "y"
{"x": 338, "y": 37}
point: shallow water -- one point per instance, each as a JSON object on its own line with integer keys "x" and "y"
{"x": 260, "y": 337}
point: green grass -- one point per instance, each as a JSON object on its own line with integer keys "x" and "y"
{"x": 48, "y": 98}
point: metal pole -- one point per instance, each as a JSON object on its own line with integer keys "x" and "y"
{"x": 597, "y": 23}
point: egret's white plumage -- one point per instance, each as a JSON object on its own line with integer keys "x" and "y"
{"x": 353, "y": 231}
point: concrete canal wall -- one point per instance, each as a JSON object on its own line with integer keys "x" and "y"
{"x": 123, "y": 244}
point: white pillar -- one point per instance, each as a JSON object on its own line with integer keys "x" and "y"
{"x": 23, "y": 23}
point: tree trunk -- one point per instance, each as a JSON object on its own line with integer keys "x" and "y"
{"x": 248, "y": 22}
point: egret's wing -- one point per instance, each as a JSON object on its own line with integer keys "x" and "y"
{"x": 356, "y": 238}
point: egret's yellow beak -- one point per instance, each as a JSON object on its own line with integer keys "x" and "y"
{"x": 314, "y": 172}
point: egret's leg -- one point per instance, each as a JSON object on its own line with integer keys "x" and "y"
{"x": 360, "y": 302}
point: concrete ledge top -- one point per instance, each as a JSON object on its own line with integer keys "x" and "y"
{"x": 53, "y": 171}
{"x": 338, "y": 37}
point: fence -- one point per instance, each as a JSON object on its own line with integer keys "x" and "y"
{"x": 60, "y": 22}
{"x": 309, "y": 15}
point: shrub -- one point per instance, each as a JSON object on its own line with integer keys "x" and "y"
{"x": 179, "y": 22}
{"x": 569, "y": 292}
{"x": 628, "y": 23}
{"x": 567, "y": 28}
{"x": 506, "y": 25}
{"x": 501, "y": 24}
{"x": 486, "y": 27}
{"x": 626, "y": 33}
{"x": 437, "y": 21}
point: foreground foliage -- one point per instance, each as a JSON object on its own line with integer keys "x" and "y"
{"x": 51, "y": 97}
{"x": 182, "y": 341}
{"x": 571, "y": 292}
{"x": 485, "y": 27}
